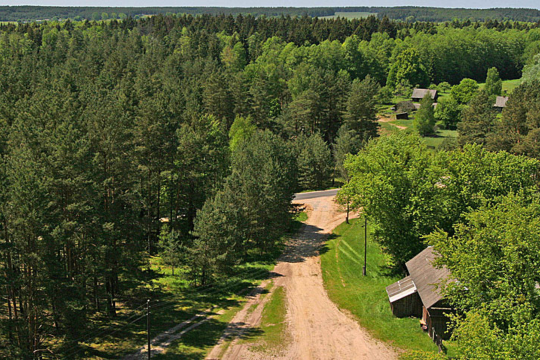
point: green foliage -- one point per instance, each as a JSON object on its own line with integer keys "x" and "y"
{"x": 241, "y": 130}
{"x": 361, "y": 112}
{"x": 347, "y": 143}
{"x": 493, "y": 255}
{"x": 444, "y": 87}
{"x": 385, "y": 95}
{"x": 465, "y": 91}
{"x": 250, "y": 212}
{"x": 519, "y": 127}
{"x": 315, "y": 166}
{"x": 424, "y": 120}
{"x": 388, "y": 177}
{"x": 448, "y": 112}
{"x": 493, "y": 82}
{"x": 478, "y": 338}
{"x": 408, "y": 66}
{"x": 532, "y": 71}
{"x": 407, "y": 191}
{"x": 478, "y": 121}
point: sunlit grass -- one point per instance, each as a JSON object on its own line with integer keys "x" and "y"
{"x": 365, "y": 297}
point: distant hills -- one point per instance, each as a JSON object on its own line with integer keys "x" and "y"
{"x": 407, "y": 13}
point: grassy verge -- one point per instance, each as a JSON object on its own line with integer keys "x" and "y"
{"x": 365, "y": 297}
{"x": 273, "y": 336}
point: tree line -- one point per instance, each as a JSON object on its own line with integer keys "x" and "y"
{"x": 409, "y": 13}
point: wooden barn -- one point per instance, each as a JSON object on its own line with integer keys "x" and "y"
{"x": 500, "y": 102}
{"x": 418, "y": 94}
{"x": 418, "y": 295}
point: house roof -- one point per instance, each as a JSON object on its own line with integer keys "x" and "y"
{"x": 501, "y": 101}
{"x": 420, "y": 93}
{"x": 426, "y": 276}
{"x": 401, "y": 289}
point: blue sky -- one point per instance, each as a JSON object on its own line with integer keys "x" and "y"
{"x": 276, "y": 3}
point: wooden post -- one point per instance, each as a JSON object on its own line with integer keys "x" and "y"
{"x": 364, "y": 269}
{"x": 148, "y": 327}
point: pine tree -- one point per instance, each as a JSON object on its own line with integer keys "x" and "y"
{"x": 424, "y": 120}
{"x": 493, "y": 82}
{"x": 478, "y": 121}
{"x": 361, "y": 113}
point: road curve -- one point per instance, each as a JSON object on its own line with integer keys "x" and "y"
{"x": 315, "y": 194}
{"x": 317, "y": 329}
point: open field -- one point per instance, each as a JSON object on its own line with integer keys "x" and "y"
{"x": 365, "y": 297}
{"x": 507, "y": 85}
{"x": 348, "y": 15}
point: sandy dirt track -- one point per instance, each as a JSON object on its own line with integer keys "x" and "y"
{"x": 317, "y": 329}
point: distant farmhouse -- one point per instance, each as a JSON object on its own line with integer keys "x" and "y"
{"x": 418, "y": 94}
{"x": 500, "y": 103}
{"x": 418, "y": 295}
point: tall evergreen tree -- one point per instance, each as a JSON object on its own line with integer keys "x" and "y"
{"x": 361, "y": 113}
{"x": 478, "y": 121}
{"x": 424, "y": 120}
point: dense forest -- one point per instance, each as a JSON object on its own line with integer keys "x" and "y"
{"x": 408, "y": 13}
{"x": 186, "y": 136}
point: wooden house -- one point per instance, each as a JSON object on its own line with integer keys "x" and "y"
{"x": 419, "y": 94}
{"x": 418, "y": 295}
{"x": 500, "y": 102}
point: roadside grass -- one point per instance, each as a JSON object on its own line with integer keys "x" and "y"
{"x": 365, "y": 297}
{"x": 336, "y": 184}
{"x": 348, "y": 15}
{"x": 272, "y": 331}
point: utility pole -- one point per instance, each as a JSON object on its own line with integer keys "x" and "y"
{"x": 365, "y": 246}
{"x": 148, "y": 327}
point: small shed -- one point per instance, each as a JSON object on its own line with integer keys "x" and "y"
{"x": 405, "y": 106}
{"x": 418, "y": 295}
{"x": 402, "y": 116}
{"x": 404, "y": 298}
{"x": 426, "y": 277}
{"x": 419, "y": 94}
{"x": 500, "y": 102}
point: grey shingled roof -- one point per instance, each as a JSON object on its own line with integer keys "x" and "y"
{"x": 426, "y": 276}
{"x": 501, "y": 101}
{"x": 420, "y": 93}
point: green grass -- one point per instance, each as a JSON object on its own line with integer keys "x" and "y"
{"x": 301, "y": 217}
{"x": 273, "y": 334}
{"x": 402, "y": 122}
{"x": 365, "y": 297}
{"x": 436, "y": 141}
{"x": 507, "y": 85}
{"x": 348, "y": 15}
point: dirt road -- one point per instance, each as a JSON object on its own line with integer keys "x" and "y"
{"x": 316, "y": 327}
{"x": 383, "y": 119}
